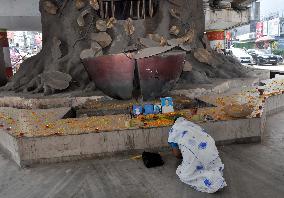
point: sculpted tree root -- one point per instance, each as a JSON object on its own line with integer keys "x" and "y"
{"x": 83, "y": 28}
{"x": 58, "y": 54}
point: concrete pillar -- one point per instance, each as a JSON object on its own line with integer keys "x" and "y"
{"x": 5, "y": 61}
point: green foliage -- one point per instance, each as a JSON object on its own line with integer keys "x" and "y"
{"x": 278, "y": 52}
{"x": 274, "y": 45}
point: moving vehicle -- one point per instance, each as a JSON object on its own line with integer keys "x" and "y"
{"x": 241, "y": 55}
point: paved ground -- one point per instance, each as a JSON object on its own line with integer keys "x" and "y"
{"x": 270, "y": 67}
{"x": 255, "y": 170}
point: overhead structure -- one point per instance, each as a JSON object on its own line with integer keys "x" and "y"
{"x": 240, "y": 3}
{"x": 20, "y": 15}
{"x": 225, "y": 14}
{"x": 25, "y": 15}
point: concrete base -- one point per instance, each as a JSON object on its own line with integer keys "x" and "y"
{"x": 274, "y": 104}
{"x": 10, "y": 145}
{"x": 26, "y": 151}
{"x": 30, "y": 150}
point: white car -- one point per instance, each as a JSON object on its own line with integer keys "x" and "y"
{"x": 241, "y": 55}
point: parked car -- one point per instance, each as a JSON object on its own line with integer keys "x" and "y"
{"x": 280, "y": 59}
{"x": 264, "y": 57}
{"x": 241, "y": 55}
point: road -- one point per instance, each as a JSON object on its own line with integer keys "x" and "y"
{"x": 251, "y": 171}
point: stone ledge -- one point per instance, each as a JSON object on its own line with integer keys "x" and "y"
{"x": 274, "y": 104}
{"x": 39, "y": 102}
{"x": 45, "y": 103}
{"x": 26, "y": 151}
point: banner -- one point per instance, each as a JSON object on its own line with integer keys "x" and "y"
{"x": 228, "y": 36}
{"x": 273, "y": 27}
{"x": 216, "y": 38}
{"x": 259, "y": 30}
{"x": 282, "y": 27}
{"x": 265, "y": 28}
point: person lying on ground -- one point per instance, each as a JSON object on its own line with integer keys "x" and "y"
{"x": 201, "y": 166}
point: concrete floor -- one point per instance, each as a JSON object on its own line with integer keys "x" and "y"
{"x": 279, "y": 67}
{"x": 253, "y": 170}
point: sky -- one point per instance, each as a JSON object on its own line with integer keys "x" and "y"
{"x": 269, "y": 6}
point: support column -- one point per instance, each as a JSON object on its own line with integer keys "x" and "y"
{"x": 5, "y": 60}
